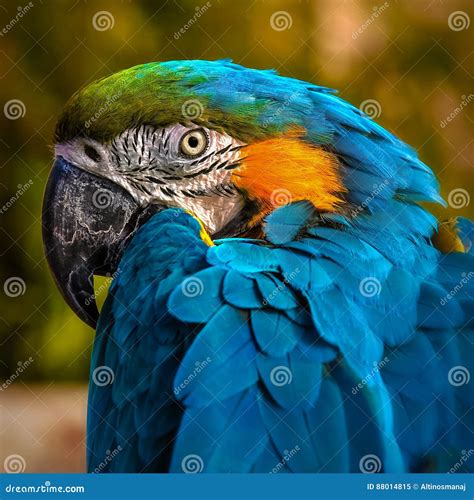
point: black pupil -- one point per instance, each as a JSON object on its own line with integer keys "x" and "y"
{"x": 193, "y": 142}
{"x": 91, "y": 153}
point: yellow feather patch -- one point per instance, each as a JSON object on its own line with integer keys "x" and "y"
{"x": 203, "y": 233}
{"x": 205, "y": 236}
{"x": 446, "y": 239}
{"x": 287, "y": 169}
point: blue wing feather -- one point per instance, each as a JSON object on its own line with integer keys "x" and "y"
{"x": 277, "y": 362}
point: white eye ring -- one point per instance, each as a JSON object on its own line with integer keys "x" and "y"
{"x": 194, "y": 143}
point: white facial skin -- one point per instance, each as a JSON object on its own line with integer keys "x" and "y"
{"x": 178, "y": 166}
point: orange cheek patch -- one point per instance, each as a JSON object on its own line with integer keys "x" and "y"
{"x": 283, "y": 170}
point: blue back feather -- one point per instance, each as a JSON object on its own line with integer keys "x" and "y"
{"x": 331, "y": 340}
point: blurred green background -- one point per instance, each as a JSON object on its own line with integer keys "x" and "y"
{"x": 414, "y": 58}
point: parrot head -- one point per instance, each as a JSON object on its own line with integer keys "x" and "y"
{"x": 226, "y": 143}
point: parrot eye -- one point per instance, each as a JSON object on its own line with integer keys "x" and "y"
{"x": 194, "y": 143}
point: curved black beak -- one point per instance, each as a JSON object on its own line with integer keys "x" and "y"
{"x": 87, "y": 222}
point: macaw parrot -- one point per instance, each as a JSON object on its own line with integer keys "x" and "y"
{"x": 281, "y": 301}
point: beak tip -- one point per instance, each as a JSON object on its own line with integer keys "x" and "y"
{"x": 86, "y": 310}
{"x": 92, "y": 322}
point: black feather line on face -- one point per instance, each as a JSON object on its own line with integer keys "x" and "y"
{"x": 167, "y": 191}
{"x": 135, "y": 139}
{"x": 187, "y": 193}
{"x": 155, "y": 180}
{"x": 214, "y": 166}
{"x": 142, "y": 188}
{"x": 165, "y": 143}
{"x": 235, "y": 148}
{"x": 229, "y": 188}
{"x": 232, "y": 166}
{"x": 201, "y": 160}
